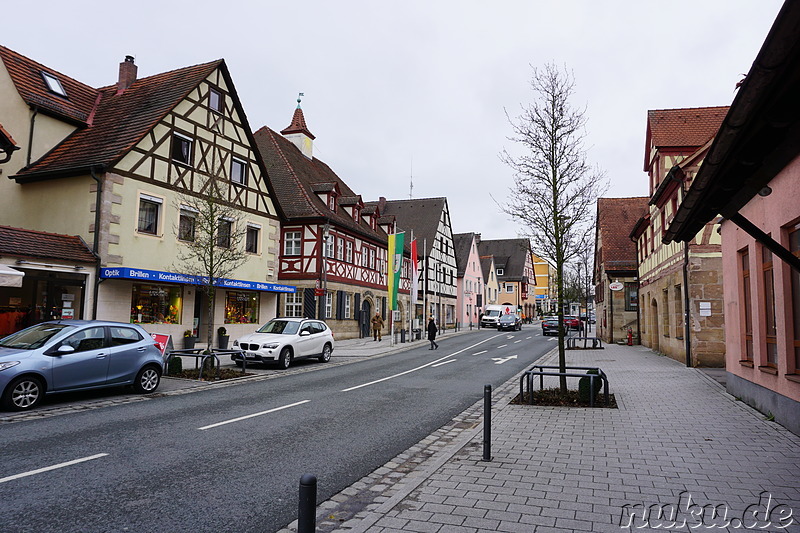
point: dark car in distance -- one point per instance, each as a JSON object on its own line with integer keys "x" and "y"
{"x": 550, "y": 325}
{"x": 511, "y": 322}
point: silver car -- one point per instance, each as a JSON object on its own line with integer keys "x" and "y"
{"x": 70, "y": 355}
{"x": 282, "y": 340}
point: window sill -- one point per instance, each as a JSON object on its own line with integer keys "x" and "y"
{"x": 747, "y": 363}
{"x": 181, "y": 163}
{"x": 769, "y": 370}
{"x": 793, "y": 377}
{"x": 146, "y": 234}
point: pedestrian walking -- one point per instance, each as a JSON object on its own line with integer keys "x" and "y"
{"x": 377, "y": 325}
{"x": 432, "y": 329}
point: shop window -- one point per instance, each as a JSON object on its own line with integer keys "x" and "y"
{"x": 241, "y": 307}
{"x": 291, "y": 243}
{"x": 251, "y": 239}
{"x": 294, "y": 304}
{"x": 677, "y": 305}
{"x": 794, "y": 247}
{"x": 156, "y": 304}
{"x": 149, "y": 214}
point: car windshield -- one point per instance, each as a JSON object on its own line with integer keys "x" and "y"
{"x": 284, "y": 327}
{"x": 493, "y": 312}
{"x": 34, "y": 336}
{"x": 508, "y": 318}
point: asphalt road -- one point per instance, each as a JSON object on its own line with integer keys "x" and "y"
{"x": 230, "y": 459}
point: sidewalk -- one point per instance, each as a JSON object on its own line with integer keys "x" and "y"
{"x": 677, "y": 438}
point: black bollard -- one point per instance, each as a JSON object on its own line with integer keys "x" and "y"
{"x": 307, "y": 507}
{"x": 487, "y": 422}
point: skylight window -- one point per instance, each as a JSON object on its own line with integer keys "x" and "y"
{"x": 54, "y": 85}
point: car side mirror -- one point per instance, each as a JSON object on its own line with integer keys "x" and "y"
{"x": 62, "y": 350}
{"x": 305, "y": 333}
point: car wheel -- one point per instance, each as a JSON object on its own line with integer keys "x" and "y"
{"x": 147, "y": 380}
{"x": 285, "y": 358}
{"x": 326, "y": 353}
{"x": 23, "y": 393}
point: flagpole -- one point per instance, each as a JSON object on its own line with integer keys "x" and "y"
{"x": 412, "y": 293}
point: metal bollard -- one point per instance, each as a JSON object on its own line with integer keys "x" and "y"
{"x": 487, "y": 422}
{"x": 307, "y": 506}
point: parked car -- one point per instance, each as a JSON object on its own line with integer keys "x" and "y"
{"x": 511, "y": 321}
{"x": 283, "y": 340}
{"x": 69, "y": 355}
{"x": 550, "y": 325}
{"x": 572, "y": 322}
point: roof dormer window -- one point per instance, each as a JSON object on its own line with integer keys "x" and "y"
{"x": 356, "y": 214}
{"x": 53, "y": 84}
{"x": 332, "y": 202}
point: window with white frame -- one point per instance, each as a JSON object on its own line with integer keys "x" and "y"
{"x": 340, "y": 249}
{"x": 149, "y": 214}
{"x": 509, "y": 287}
{"x": 347, "y": 305}
{"x": 187, "y": 224}
{"x": 328, "y": 250}
{"x": 348, "y": 254}
{"x": 291, "y": 243}
{"x": 53, "y": 84}
{"x": 294, "y": 304}
{"x": 364, "y": 256}
{"x": 224, "y": 232}
{"x": 215, "y": 100}
{"x": 252, "y": 237}
{"x": 328, "y": 304}
{"x": 238, "y": 171}
{"x": 181, "y": 151}
{"x": 500, "y": 271}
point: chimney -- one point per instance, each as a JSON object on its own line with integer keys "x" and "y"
{"x": 382, "y": 203}
{"x": 477, "y": 238}
{"x": 127, "y": 74}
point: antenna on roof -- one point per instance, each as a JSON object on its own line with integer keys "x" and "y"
{"x": 411, "y": 184}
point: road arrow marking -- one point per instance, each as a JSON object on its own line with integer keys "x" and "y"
{"x": 501, "y": 360}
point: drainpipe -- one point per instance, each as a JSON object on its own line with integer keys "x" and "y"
{"x": 30, "y": 135}
{"x": 610, "y": 314}
{"x": 96, "y": 242}
{"x": 686, "y": 314}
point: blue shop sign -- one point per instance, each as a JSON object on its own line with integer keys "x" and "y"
{"x": 170, "y": 277}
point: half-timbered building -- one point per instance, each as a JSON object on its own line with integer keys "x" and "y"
{"x": 428, "y": 220}
{"x": 116, "y": 166}
{"x": 680, "y": 284}
{"x": 470, "y": 279}
{"x": 333, "y": 245}
{"x": 513, "y": 263}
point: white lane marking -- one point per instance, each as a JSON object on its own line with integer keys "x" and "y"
{"x": 253, "y": 415}
{"x": 54, "y": 467}
{"x": 482, "y": 351}
{"x": 530, "y": 337}
{"x": 501, "y": 360}
{"x": 502, "y": 345}
{"x": 443, "y": 363}
{"x": 387, "y": 378}
{"x": 515, "y": 342}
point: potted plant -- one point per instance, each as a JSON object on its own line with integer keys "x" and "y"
{"x": 189, "y": 339}
{"x": 222, "y": 338}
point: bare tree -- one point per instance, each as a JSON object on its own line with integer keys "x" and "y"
{"x": 212, "y": 238}
{"x": 554, "y": 187}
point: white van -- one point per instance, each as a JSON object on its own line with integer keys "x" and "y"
{"x": 492, "y": 314}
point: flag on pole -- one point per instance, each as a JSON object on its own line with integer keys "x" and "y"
{"x": 414, "y": 273}
{"x": 395, "y": 264}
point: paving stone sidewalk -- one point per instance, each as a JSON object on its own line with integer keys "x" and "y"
{"x": 678, "y": 443}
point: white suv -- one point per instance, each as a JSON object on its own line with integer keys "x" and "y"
{"x": 282, "y": 340}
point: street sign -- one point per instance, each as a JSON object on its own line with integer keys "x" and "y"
{"x": 319, "y": 292}
{"x": 616, "y": 286}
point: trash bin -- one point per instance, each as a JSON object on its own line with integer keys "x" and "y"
{"x": 402, "y": 336}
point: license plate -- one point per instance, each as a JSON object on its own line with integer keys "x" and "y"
{"x": 251, "y": 355}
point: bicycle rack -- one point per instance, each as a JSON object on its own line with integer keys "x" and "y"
{"x": 529, "y": 375}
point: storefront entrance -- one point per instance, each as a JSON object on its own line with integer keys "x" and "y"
{"x": 43, "y": 296}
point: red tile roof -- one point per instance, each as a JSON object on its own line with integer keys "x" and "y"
{"x": 5, "y": 138}
{"x": 26, "y": 75}
{"x": 24, "y": 243}
{"x": 119, "y": 122}
{"x": 689, "y": 127}
{"x": 615, "y": 220}
{"x": 298, "y": 124}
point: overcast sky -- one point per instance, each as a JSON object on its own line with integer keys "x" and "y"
{"x": 423, "y": 85}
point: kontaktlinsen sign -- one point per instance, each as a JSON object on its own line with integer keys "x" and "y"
{"x": 171, "y": 277}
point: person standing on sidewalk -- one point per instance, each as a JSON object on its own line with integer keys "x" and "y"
{"x": 432, "y": 329}
{"x": 377, "y": 325}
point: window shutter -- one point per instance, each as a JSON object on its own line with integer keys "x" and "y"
{"x": 356, "y": 306}
{"x": 339, "y": 305}
{"x": 322, "y": 306}
{"x": 383, "y": 307}
{"x": 309, "y": 303}
{"x": 279, "y": 302}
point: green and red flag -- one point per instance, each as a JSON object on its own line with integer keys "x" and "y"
{"x": 395, "y": 265}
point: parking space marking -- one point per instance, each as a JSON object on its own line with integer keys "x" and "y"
{"x": 54, "y": 467}
{"x": 231, "y": 421}
{"x": 444, "y": 363}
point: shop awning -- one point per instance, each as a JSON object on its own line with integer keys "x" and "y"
{"x": 10, "y": 277}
